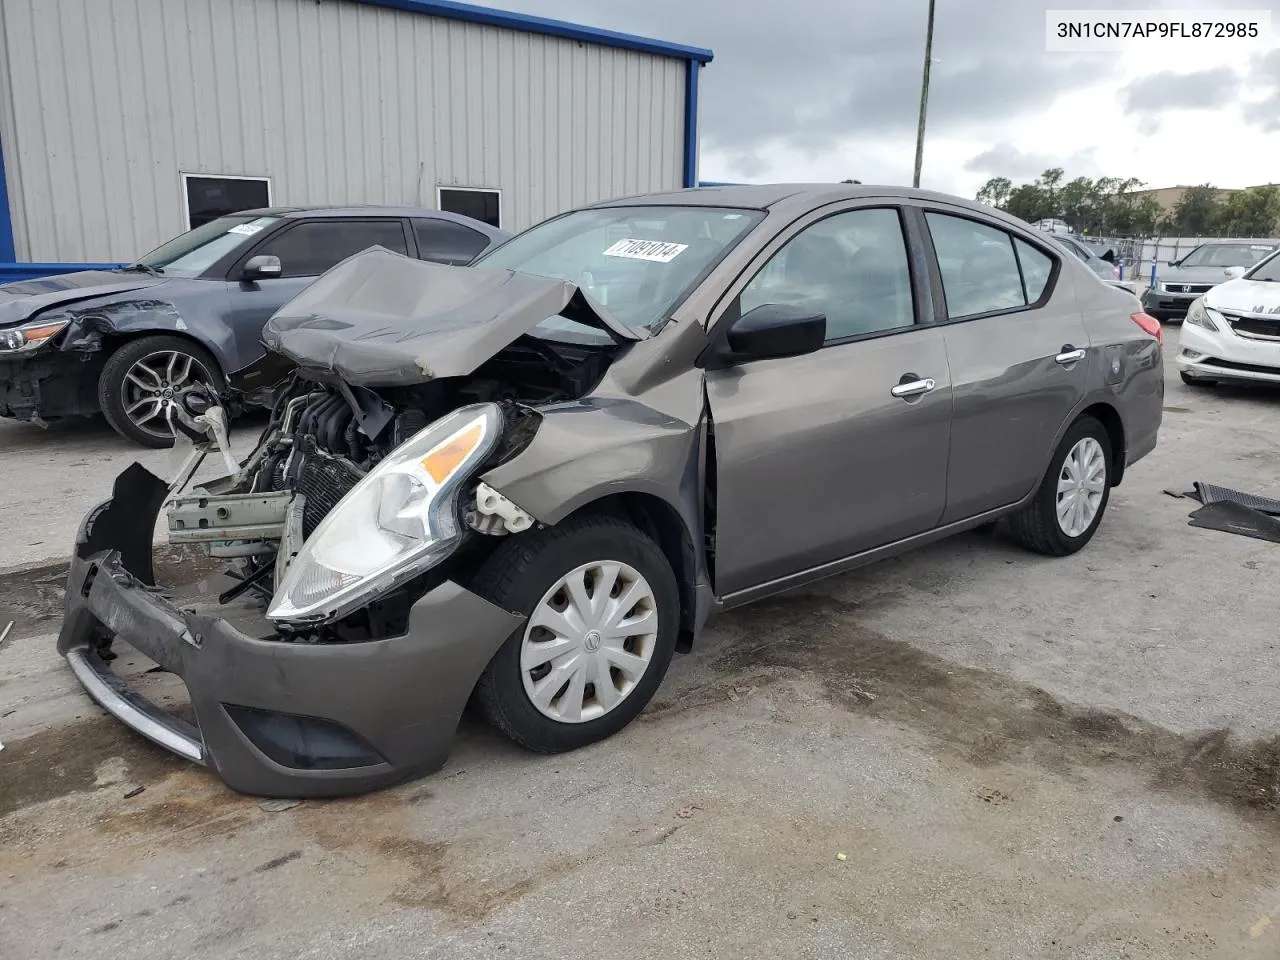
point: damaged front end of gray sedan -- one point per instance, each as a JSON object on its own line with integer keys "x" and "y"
{"x": 421, "y": 426}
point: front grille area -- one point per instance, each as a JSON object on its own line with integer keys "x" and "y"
{"x": 1265, "y": 327}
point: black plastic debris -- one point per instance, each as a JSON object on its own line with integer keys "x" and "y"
{"x": 1209, "y": 493}
{"x": 1232, "y": 517}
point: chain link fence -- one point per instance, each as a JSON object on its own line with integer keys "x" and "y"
{"x": 1137, "y": 256}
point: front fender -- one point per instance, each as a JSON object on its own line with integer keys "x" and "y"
{"x": 135, "y": 317}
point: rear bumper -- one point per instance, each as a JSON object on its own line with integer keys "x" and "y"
{"x": 49, "y": 385}
{"x": 274, "y": 718}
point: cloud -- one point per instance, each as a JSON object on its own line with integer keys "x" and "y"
{"x": 1006, "y": 160}
{"x": 818, "y": 72}
{"x": 1201, "y": 90}
{"x": 1264, "y": 78}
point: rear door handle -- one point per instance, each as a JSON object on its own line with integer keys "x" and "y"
{"x": 912, "y": 388}
{"x": 1069, "y": 354}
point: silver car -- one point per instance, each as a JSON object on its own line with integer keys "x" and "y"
{"x": 529, "y": 482}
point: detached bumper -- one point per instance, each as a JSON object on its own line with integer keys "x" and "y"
{"x": 274, "y": 718}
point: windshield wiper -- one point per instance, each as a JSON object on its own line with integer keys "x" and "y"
{"x": 142, "y": 268}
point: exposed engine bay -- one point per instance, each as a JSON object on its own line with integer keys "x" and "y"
{"x": 325, "y": 437}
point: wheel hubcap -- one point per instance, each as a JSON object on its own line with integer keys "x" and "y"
{"x": 1081, "y": 484}
{"x": 152, "y": 385}
{"x": 589, "y": 642}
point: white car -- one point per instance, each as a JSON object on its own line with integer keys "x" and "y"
{"x": 1055, "y": 226}
{"x": 1232, "y": 333}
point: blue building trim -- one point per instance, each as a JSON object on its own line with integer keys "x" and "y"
{"x": 6, "y": 217}
{"x": 691, "y": 124}
{"x": 718, "y": 183}
{"x": 469, "y": 13}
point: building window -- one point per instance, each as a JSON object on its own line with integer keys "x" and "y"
{"x": 482, "y": 205}
{"x": 209, "y": 198}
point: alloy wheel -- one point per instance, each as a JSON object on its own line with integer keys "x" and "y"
{"x": 589, "y": 642}
{"x": 149, "y": 392}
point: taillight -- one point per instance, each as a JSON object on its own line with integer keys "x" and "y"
{"x": 1149, "y": 324}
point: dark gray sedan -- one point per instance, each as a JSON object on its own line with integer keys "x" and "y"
{"x": 125, "y": 342}
{"x": 530, "y": 481}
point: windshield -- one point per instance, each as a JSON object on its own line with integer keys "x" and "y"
{"x": 194, "y": 252}
{"x": 1267, "y": 270}
{"x": 1227, "y": 255}
{"x": 639, "y": 262}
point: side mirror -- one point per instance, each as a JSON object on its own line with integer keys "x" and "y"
{"x": 1174, "y": 263}
{"x": 777, "y": 330}
{"x": 261, "y": 268}
{"x": 1234, "y": 273}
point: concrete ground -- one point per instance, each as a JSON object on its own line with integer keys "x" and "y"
{"x": 1017, "y": 758}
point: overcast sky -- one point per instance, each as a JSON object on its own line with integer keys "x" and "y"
{"x": 829, "y": 89}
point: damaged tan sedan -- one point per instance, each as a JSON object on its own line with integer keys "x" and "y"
{"x": 530, "y": 481}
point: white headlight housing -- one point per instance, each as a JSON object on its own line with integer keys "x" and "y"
{"x": 1199, "y": 315}
{"x": 401, "y": 519}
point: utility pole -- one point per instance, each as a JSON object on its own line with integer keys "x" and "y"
{"x": 924, "y": 96}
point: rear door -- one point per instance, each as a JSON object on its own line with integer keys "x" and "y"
{"x": 816, "y": 457}
{"x": 1019, "y": 357}
{"x": 306, "y": 249}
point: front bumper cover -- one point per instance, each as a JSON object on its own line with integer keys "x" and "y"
{"x": 398, "y": 699}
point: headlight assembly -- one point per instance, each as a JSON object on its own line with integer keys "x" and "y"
{"x": 33, "y": 335}
{"x": 1201, "y": 316}
{"x": 401, "y": 519}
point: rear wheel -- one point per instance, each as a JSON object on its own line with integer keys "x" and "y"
{"x": 603, "y": 613}
{"x": 1068, "y": 506}
{"x": 139, "y": 385}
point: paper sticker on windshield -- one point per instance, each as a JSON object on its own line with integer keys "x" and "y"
{"x": 654, "y": 250}
{"x": 246, "y": 229}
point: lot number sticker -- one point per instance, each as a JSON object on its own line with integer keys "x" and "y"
{"x": 654, "y": 250}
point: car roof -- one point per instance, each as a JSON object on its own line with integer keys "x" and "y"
{"x": 764, "y": 196}
{"x": 306, "y": 213}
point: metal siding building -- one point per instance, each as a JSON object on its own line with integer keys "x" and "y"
{"x": 107, "y": 105}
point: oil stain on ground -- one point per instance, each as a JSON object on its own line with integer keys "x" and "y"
{"x": 981, "y": 717}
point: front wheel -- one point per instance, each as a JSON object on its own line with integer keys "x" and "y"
{"x": 1067, "y": 508}
{"x": 139, "y": 386}
{"x": 602, "y": 608}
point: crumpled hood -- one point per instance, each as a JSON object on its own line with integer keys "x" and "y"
{"x": 381, "y": 319}
{"x": 24, "y": 299}
{"x": 1256, "y": 297}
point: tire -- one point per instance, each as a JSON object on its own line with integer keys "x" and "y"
{"x": 1037, "y": 526}
{"x": 520, "y": 576}
{"x": 1191, "y": 381}
{"x": 119, "y": 393}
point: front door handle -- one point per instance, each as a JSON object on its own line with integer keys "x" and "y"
{"x": 1069, "y": 354}
{"x": 912, "y": 388}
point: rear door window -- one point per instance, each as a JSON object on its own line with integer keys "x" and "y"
{"x": 980, "y": 268}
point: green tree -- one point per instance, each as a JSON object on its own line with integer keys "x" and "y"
{"x": 1251, "y": 213}
{"x": 1146, "y": 214}
{"x": 995, "y": 192}
{"x": 1197, "y": 213}
{"x": 1030, "y": 202}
